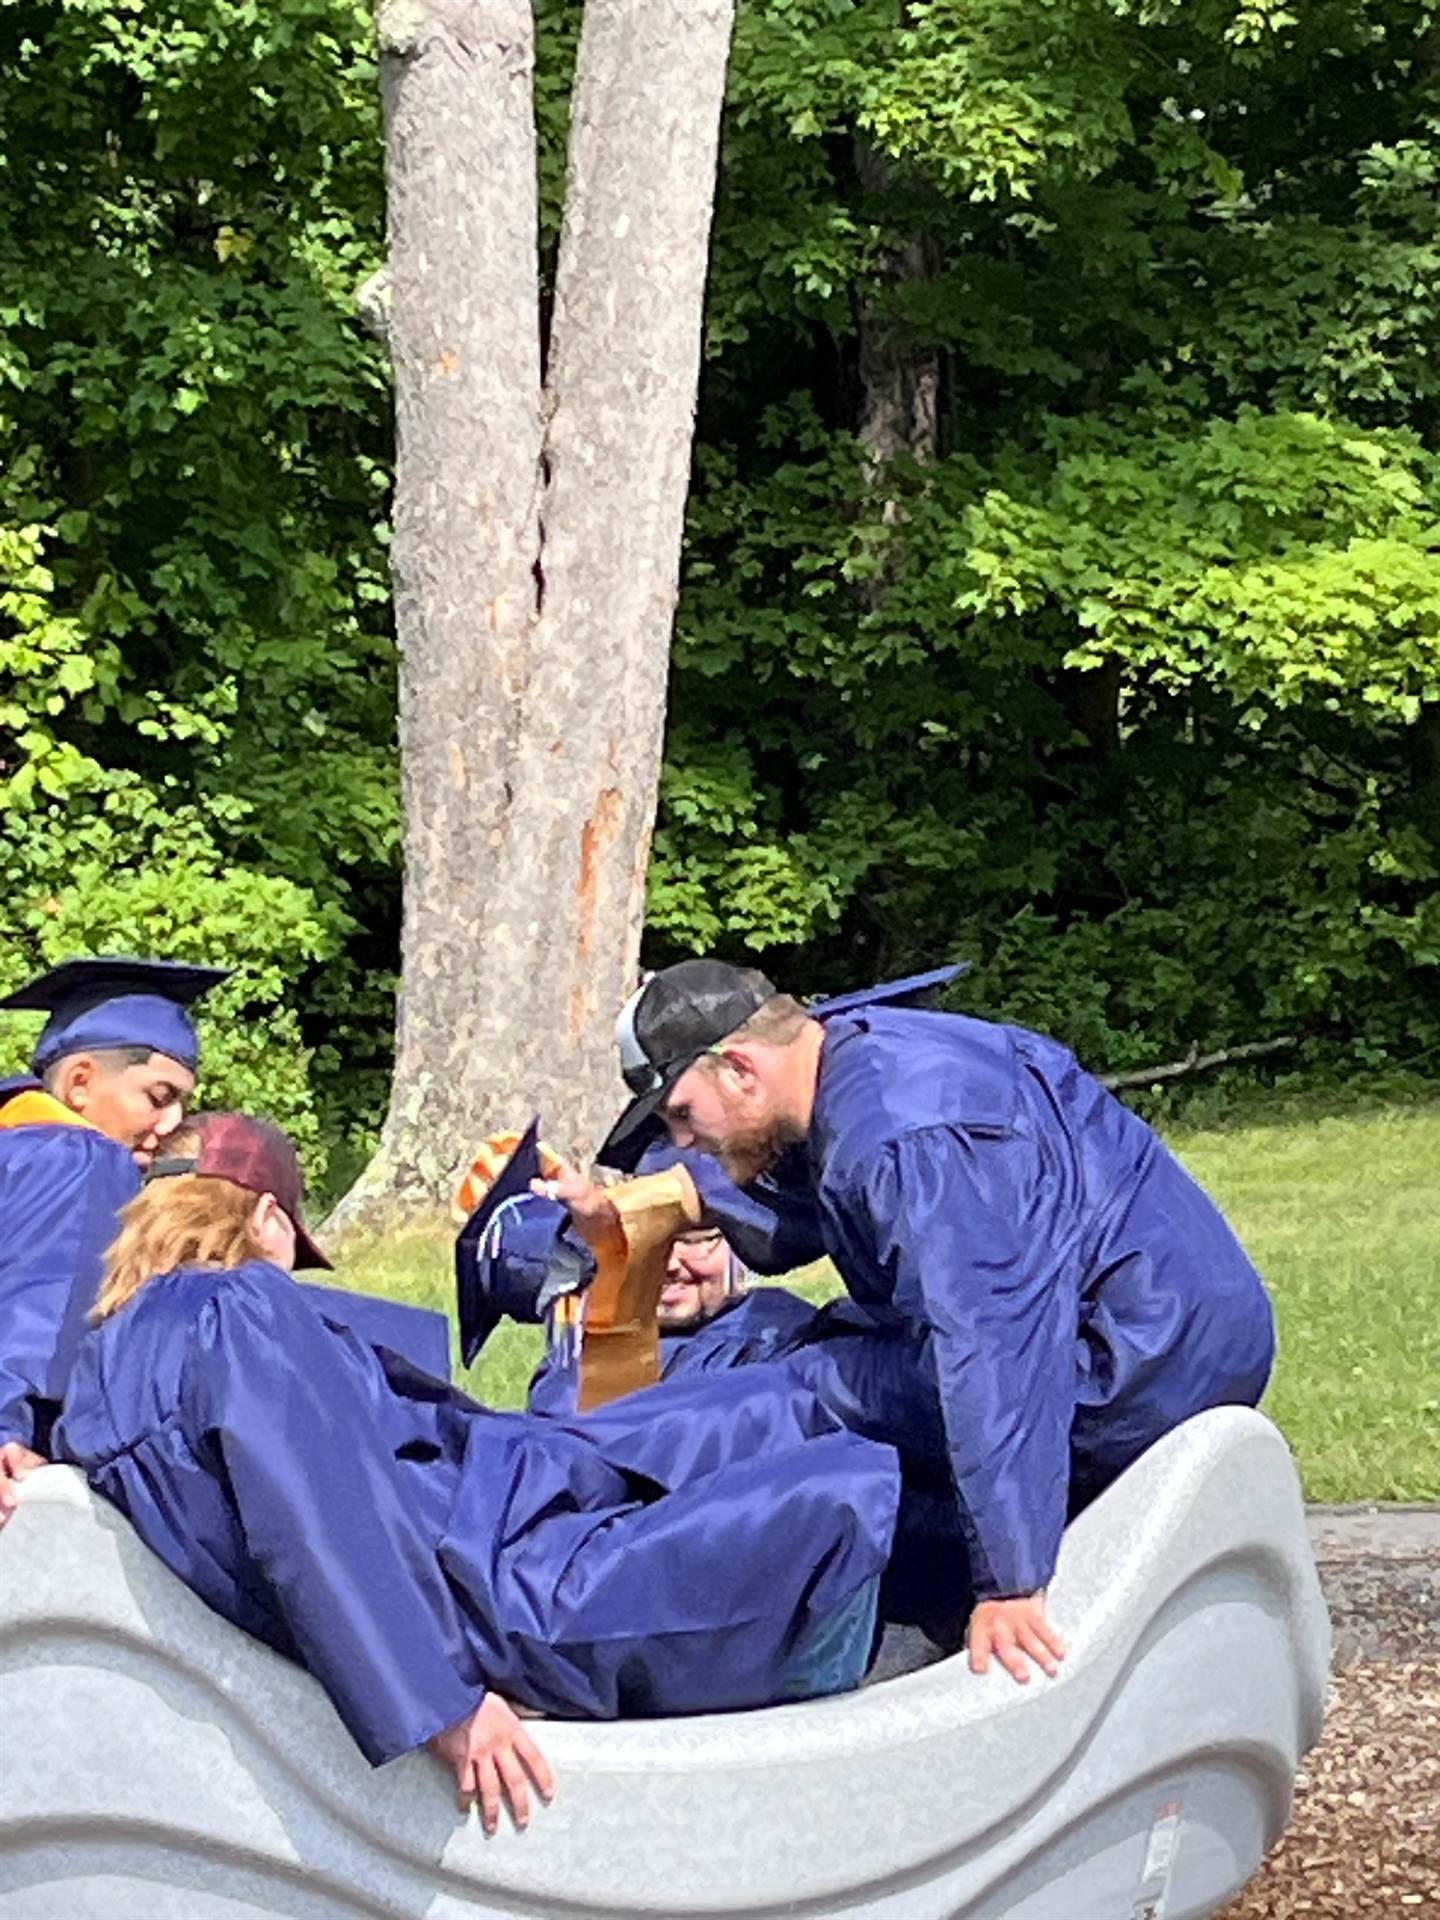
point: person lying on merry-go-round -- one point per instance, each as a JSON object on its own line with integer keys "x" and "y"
{"x": 434, "y": 1563}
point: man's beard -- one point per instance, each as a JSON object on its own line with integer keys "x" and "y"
{"x": 750, "y": 1151}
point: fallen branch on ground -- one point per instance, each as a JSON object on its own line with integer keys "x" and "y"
{"x": 1196, "y": 1062}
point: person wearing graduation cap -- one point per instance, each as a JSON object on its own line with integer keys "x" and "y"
{"x": 427, "y": 1559}
{"x": 109, "y": 1077}
{"x": 1072, "y": 1291}
{"x": 518, "y": 1258}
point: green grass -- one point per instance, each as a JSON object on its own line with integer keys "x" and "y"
{"x": 419, "y": 1267}
{"x": 1342, "y": 1216}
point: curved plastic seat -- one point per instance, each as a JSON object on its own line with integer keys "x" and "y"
{"x": 161, "y": 1766}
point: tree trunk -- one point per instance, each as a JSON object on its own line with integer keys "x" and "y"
{"x": 624, "y": 365}
{"x": 899, "y": 411}
{"x": 536, "y": 557}
{"x": 1425, "y": 768}
{"x": 899, "y": 379}
{"x": 1092, "y": 700}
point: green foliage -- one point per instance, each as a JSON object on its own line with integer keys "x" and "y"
{"x": 1127, "y": 688}
{"x": 96, "y": 859}
{"x": 114, "y": 868}
{"x": 196, "y": 692}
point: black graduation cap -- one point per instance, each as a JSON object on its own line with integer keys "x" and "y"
{"x": 484, "y": 1285}
{"x": 116, "y": 1001}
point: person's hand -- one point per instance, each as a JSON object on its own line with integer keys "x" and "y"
{"x": 596, "y": 1217}
{"x": 16, "y": 1462}
{"x": 1015, "y": 1632}
{"x": 491, "y": 1753}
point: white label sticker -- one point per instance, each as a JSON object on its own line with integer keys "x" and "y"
{"x": 1159, "y": 1863}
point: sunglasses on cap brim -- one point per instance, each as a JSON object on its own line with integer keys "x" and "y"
{"x": 644, "y": 1078}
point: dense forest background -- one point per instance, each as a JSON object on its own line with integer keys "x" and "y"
{"x": 1062, "y": 581}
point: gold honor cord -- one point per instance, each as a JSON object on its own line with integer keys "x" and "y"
{"x": 620, "y": 1351}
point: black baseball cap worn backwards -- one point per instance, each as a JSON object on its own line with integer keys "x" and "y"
{"x": 678, "y": 1015}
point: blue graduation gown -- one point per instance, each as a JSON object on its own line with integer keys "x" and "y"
{"x": 876, "y": 1381}
{"x": 678, "y": 1552}
{"x": 533, "y": 1254}
{"x": 418, "y": 1334}
{"x": 863, "y": 1373}
{"x": 1077, "y": 1293}
{"x": 774, "y": 1225}
{"x": 61, "y": 1190}
{"x": 879, "y": 1381}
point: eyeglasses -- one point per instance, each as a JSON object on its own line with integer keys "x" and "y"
{"x": 698, "y": 1239}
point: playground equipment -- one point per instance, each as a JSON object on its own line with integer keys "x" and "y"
{"x": 159, "y": 1765}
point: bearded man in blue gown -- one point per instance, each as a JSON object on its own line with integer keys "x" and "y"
{"x": 1069, "y": 1292}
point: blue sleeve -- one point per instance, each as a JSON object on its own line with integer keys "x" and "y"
{"x": 322, "y": 1504}
{"x": 554, "y": 1386}
{"x": 773, "y": 1226}
{"x": 61, "y": 1191}
{"x": 418, "y": 1334}
{"x": 959, "y": 1261}
{"x": 758, "y": 1327}
{"x": 709, "y": 1349}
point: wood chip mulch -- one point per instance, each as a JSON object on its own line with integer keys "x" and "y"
{"x": 1364, "y": 1838}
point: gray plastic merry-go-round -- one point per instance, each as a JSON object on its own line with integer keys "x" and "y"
{"x": 159, "y": 1765}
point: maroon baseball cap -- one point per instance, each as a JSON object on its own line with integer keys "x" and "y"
{"x": 252, "y": 1154}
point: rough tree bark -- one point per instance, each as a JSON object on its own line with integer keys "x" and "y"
{"x": 899, "y": 378}
{"x": 898, "y": 416}
{"x": 536, "y": 552}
